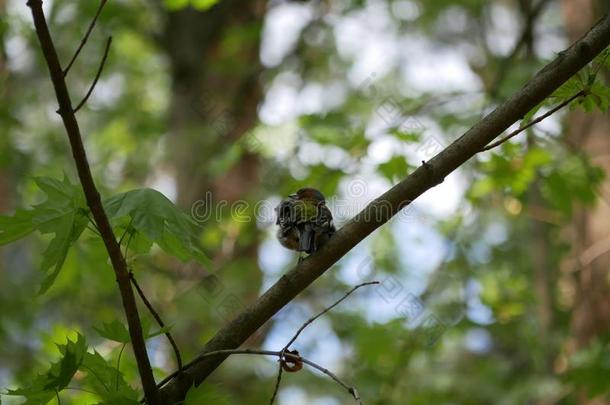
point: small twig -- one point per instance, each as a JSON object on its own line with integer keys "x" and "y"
{"x": 127, "y": 246}
{"x": 284, "y": 354}
{"x": 97, "y": 76}
{"x": 85, "y": 38}
{"x": 310, "y": 320}
{"x": 118, "y": 364}
{"x": 125, "y": 233}
{"x": 277, "y": 384}
{"x": 351, "y": 390}
{"x": 93, "y": 223}
{"x": 158, "y": 319}
{"x": 534, "y": 121}
{"x": 95, "y": 231}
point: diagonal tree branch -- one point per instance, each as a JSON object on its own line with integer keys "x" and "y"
{"x": 94, "y": 202}
{"x": 378, "y": 212}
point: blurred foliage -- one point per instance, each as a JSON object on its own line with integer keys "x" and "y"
{"x": 354, "y": 103}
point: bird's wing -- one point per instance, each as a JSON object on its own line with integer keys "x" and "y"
{"x": 324, "y": 218}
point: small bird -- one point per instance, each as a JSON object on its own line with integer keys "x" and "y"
{"x": 305, "y": 221}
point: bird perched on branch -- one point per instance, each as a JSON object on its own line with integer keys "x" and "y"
{"x": 305, "y": 221}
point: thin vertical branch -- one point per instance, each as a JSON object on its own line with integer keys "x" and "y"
{"x": 85, "y": 38}
{"x": 94, "y": 202}
{"x": 155, "y": 315}
{"x": 97, "y": 76}
{"x": 277, "y": 382}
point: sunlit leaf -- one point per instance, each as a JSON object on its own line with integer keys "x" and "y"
{"x": 63, "y": 213}
{"x": 394, "y": 169}
{"x": 107, "y": 381}
{"x": 203, "y": 5}
{"x": 114, "y": 330}
{"x": 44, "y": 386}
{"x": 158, "y": 219}
{"x": 175, "y": 4}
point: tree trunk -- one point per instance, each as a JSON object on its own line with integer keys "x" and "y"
{"x": 215, "y": 92}
{"x": 215, "y": 68}
{"x": 589, "y": 232}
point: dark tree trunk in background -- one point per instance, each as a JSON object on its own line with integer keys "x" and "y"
{"x": 590, "y": 230}
{"x": 215, "y": 91}
{"x": 215, "y": 69}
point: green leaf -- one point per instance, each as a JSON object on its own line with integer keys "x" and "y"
{"x": 406, "y": 136}
{"x": 174, "y": 5}
{"x": 151, "y": 214}
{"x": 335, "y": 130}
{"x": 203, "y": 5}
{"x": 44, "y": 386}
{"x": 590, "y": 368}
{"x": 531, "y": 113}
{"x": 394, "y": 169}
{"x": 568, "y": 89}
{"x": 200, "y": 5}
{"x": 115, "y": 331}
{"x": 165, "y": 329}
{"x": 599, "y": 96}
{"x": 61, "y": 373}
{"x": 63, "y": 213}
{"x": 67, "y": 229}
{"x": 107, "y": 381}
{"x": 575, "y": 179}
{"x": 32, "y": 397}
{"x": 16, "y": 227}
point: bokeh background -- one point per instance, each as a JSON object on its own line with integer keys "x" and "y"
{"x": 494, "y": 285}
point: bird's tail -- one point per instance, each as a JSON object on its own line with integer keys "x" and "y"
{"x": 307, "y": 239}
